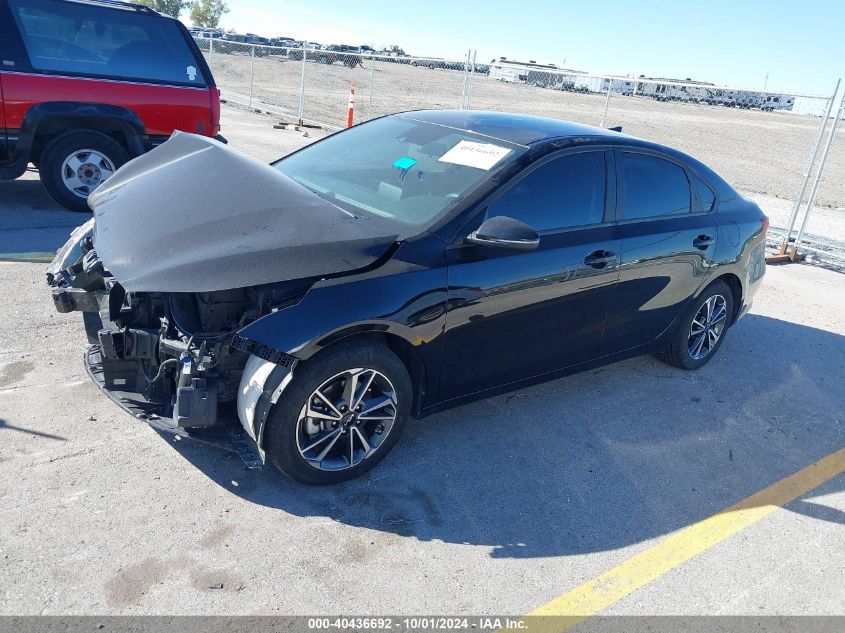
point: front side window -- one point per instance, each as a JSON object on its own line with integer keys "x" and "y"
{"x": 563, "y": 193}
{"x": 79, "y": 38}
{"x": 398, "y": 168}
{"x": 651, "y": 187}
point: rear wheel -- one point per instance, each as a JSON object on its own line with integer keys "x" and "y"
{"x": 703, "y": 328}
{"x": 73, "y": 165}
{"x": 342, "y": 413}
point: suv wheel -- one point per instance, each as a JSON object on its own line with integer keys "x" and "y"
{"x": 341, "y": 414}
{"x": 73, "y": 165}
{"x": 703, "y": 328}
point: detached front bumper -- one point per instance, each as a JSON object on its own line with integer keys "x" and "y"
{"x": 228, "y": 434}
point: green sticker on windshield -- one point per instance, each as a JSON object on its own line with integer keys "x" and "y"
{"x": 405, "y": 163}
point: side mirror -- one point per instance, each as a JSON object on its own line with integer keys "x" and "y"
{"x": 505, "y": 232}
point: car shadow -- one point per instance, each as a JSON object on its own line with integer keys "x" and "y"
{"x": 32, "y": 225}
{"x": 595, "y": 461}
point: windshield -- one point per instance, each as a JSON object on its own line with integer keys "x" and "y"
{"x": 404, "y": 170}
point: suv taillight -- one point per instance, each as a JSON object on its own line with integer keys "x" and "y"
{"x": 215, "y": 111}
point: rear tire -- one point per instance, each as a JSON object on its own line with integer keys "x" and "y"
{"x": 85, "y": 159}
{"x": 320, "y": 383}
{"x": 703, "y": 328}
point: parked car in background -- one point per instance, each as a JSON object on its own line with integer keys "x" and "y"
{"x": 308, "y": 47}
{"x": 344, "y": 53}
{"x": 284, "y": 42}
{"x": 85, "y": 86}
{"x": 205, "y": 34}
{"x": 402, "y": 266}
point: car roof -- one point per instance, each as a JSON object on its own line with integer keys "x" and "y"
{"x": 521, "y": 129}
{"x": 524, "y": 129}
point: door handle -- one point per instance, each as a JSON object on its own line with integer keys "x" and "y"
{"x": 599, "y": 259}
{"x": 702, "y": 242}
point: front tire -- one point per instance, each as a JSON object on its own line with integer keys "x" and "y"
{"x": 73, "y": 165}
{"x": 703, "y": 328}
{"x": 342, "y": 413}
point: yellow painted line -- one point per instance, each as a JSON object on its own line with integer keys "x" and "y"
{"x": 601, "y": 592}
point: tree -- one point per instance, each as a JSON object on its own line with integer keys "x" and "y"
{"x": 207, "y": 13}
{"x": 168, "y": 7}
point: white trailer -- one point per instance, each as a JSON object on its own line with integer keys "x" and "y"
{"x": 512, "y": 71}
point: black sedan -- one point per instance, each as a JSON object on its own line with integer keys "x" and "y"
{"x": 305, "y": 310}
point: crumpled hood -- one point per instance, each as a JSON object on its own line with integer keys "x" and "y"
{"x": 193, "y": 215}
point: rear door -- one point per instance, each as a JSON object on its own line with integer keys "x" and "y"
{"x": 668, "y": 239}
{"x": 518, "y": 314}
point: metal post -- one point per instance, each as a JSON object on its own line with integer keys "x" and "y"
{"x": 792, "y": 216}
{"x": 464, "y": 86}
{"x": 211, "y": 52}
{"x": 372, "y": 81}
{"x": 606, "y": 101}
{"x": 251, "y": 75}
{"x": 471, "y": 77}
{"x": 819, "y": 173}
{"x": 302, "y": 84}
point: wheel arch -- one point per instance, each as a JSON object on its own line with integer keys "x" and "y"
{"x": 264, "y": 382}
{"x": 735, "y": 285}
{"x": 400, "y": 346}
{"x": 46, "y": 121}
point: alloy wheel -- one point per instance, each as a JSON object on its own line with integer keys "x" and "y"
{"x": 85, "y": 170}
{"x": 346, "y": 419}
{"x": 707, "y": 327}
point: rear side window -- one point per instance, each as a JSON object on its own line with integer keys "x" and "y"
{"x": 78, "y": 38}
{"x": 652, "y": 187}
{"x": 563, "y": 193}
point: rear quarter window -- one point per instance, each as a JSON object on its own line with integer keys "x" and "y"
{"x": 705, "y": 195}
{"x": 84, "y": 39}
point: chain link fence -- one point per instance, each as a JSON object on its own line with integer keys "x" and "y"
{"x": 313, "y": 86}
{"x": 759, "y": 140}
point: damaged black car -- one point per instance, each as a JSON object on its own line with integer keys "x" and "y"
{"x": 302, "y": 312}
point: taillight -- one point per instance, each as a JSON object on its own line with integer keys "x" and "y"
{"x": 765, "y": 222}
{"x": 215, "y": 111}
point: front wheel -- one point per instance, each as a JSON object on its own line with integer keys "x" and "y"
{"x": 703, "y": 328}
{"x": 342, "y": 413}
{"x": 73, "y": 165}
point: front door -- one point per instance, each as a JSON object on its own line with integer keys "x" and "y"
{"x": 668, "y": 240}
{"x": 517, "y": 314}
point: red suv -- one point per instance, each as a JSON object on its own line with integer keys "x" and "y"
{"x": 86, "y": 85}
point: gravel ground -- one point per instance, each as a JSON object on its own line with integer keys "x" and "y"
{"x": 758, "y": 152}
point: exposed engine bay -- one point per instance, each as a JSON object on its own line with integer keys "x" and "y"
{"x": 178, "y": 351}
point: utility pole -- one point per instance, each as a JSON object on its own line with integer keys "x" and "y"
{"x": 766, "y": 81}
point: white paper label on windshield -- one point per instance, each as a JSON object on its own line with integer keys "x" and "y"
{"x": 478, "y": 155}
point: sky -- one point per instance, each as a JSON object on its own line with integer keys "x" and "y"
{"x": 798, "y": 44}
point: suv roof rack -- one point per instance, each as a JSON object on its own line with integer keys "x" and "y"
{"x": 120, "y": 4}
